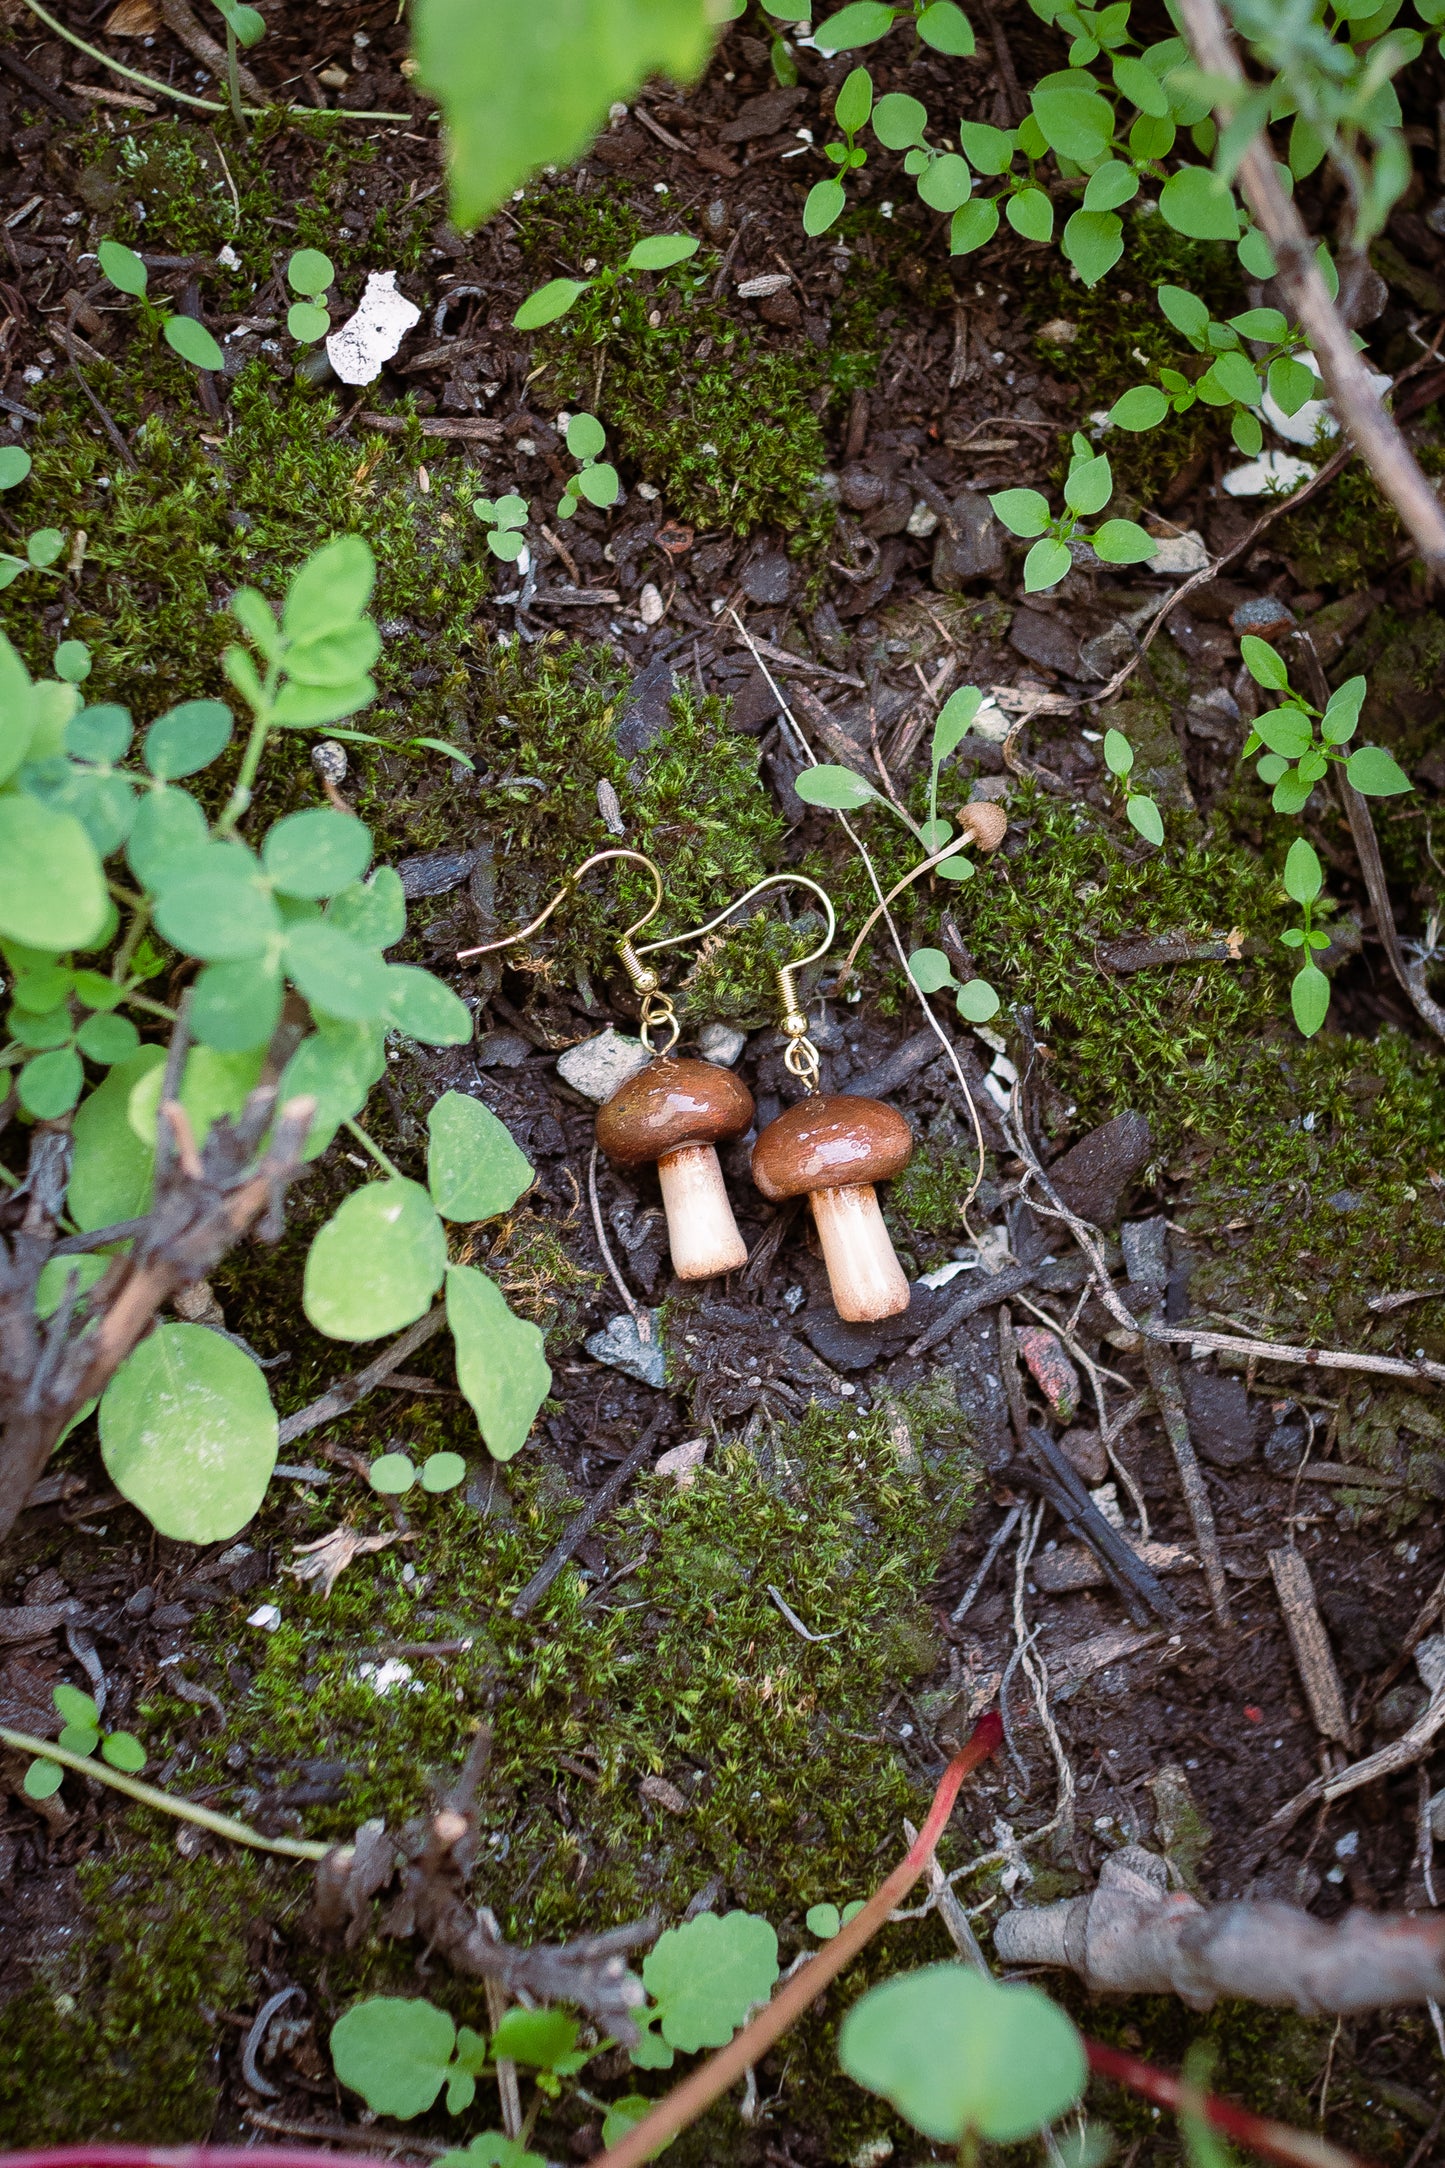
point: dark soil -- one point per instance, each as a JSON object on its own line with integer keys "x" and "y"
{"x": 1296, "y": 1184}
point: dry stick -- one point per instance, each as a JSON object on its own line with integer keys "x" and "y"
{"x": 686, "y": 2102}
{"x": 1163, "y": 1374}
{"x": 1347, "y": 379}
{"x": 220, "y": 1825}
{"x": 641, "y": 1318}
{"x": 1010, "y": 1523}
{"x": 581, "y": 1527}
{"x": 1274, "y": 2141}
{"x": 344, "y": 1394}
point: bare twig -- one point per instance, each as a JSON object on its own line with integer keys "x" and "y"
{"x": 1312, "y": 1652}
{"x": 1009, "y": 1524}
{"x": 581, "y": 1526}
{"x": 641, "y": 1318}
{"x": 1163, "y": 1373}
{"x": 345, "y": 1392}
{"x": 1399, "y": 1754}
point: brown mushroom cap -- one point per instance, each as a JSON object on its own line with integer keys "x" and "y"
{"x": 985, "y": 823}
{"x": 830, "y": 1143}
{"x": 669, "y": 1104}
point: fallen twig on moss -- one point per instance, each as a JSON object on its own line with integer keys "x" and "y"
{"x": 581, "y": 1526}
{"x": 345, "y": 1392}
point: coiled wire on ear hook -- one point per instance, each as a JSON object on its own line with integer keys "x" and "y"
{"x": 801, "y": 1057}
{"x": 657, "y": 1009}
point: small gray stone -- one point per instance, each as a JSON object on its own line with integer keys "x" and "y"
{"x": 972, "y": 549}
{"x": 768, "y": 580}
{"x": 754, "y": 705}
{"x": 621, "y": 1347}
{"x": 1050, "y": 641}
{"x": 435, "y": 873}
{"x": 721, "y": 1043}
{"x": 1093, "y": 1174}
{"x": 647, "y": 710}
{"x": 598, "y": 1067}
{"x": 1146, "y": 1251}
{"x": 1223, "y": 1421}
{"x": 500, "y": 1050}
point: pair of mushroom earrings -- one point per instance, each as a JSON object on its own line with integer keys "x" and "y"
{"x": 831, "y": 1148}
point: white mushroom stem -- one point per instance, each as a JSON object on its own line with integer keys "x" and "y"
{"x": 701, "y": 1230}
{"x": 865, "y": 1277}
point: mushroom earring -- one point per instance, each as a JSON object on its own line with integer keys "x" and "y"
{"x": 673, "y": 1113}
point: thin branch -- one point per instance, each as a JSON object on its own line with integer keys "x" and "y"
{"x": 343, "y": 1395}
{"x": 581, "y": 1526}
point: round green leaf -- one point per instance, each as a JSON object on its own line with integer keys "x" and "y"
{"x": 1309, "y": 998}
{"x": 1144, "y": 815}
{"x": 188, "y": 1433}
{"x": 77, "y": 1707}
{"x": 861, "y": 24}
{"x": 1093, "y": 242}
{"x": 955, "y": 869}
{"x": 930, "y": 970}
{"x": 373, "y": 912}
{"x": 1376, "y": 773}
{"x": 972, "y": 226}
{"x": 1123, "y": 542}
{"x": 1075, "y": 121}
{"x": 988, "y": 150}
{"x": 1197, "y": 203}
{"x": 474, "y": 1170}
{"x": 108, "y": 1039}
{"x": 824, "y": 1921}
{"x": 316, "y": 853}
{"x": 336, "y": 974}
{"x": 1046, "y": 564}
{"x": 945, "y": 182}
{"x": 1112, "y": 185}
{"x": 43, "y": 1780}
{"x": 392, "y": 1474}
{"x": 586, "y": 436}
{"x": 946, "y": 28}
{"x": 14, "y": 465}
{"x": 977, "y": 1001}
{"x": 52, "y": 886}
{"x": 1031, "y": 214}
{"x": 1256, "y": 256}
{"x": 123, "y": 1751}
{"x": 420, "y": 1005}
{"x": 236, "y": 1006}
{"x": 1285, "y": 730}
{"x": 954, "y": 2051}
{"x": 599, "y": 485}
{"x": 101, "y": 733}
{"x": 40, "y": 1028}
{"x": 501, "y": 1367}
{"x": 55, "y": 1277}
{"x": 1291, "y": 383}
{"x": 395, "y": 2052}
{"x": 707, "y": 1974}
{"x": 220, "y": 913}
{"x": 122, "y": 267}
{"x": 79, "y": 1738}
{"x": 1143, "y": 407}
{"x": 840, "y": 788}
{"x": 660, "y": 251}
{"x": 193, "y": 343}
{"x": 1089, "y": 485}
{"x": 825, "y": 204}
{"x": 44, "y": 546}
{"x": 1291, "y": 794}
{"x": 1023, "y": 511}
{"x": 548, "y": 303}
{"x": 72, "y": 662}
{"x": 310, "y": 272}
{"x": 307, "y": 321}
{"x": 443, "y": 1472}
{"x": 899, "y": 120}
{"x": 167, "y": 824}
{"x": 187, "y": 738}
{"x": 376, "y": 1263}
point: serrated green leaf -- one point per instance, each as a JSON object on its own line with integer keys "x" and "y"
{"x": 707, "y": 1974}
{"x": 188, "y": 1433}
{"x": 501, "y": 1366}
{"x": 376, "y": 1263}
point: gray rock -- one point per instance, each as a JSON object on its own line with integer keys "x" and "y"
{"x": 1222, "y": 1420}
{"x": 500, "y": 1050}
{"x": 1093, "y": 1175}
{"x": 1105, "y": 652}
{"x": 972, "y": 549}
{"x": 861, "y": 489}
{"x": 435, "y": 873}
{"x": 622, "y": 1347}
{"x": 842, "y": 1347}
{"x": 768, "y": 580}
{"x": 721, "y": 1043}
{"x": 598, "y": 1067}
{"x": 1146, "y": 1251}
{"x": 1050, "y": 641}
{"x": 892, "y": 513}
{"x": 647, "y": 710}
{"x": 754, "y": 705}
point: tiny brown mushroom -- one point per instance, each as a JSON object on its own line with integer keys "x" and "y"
{"x": 676, "y": 1112}
{"x": 984, "y": 824}
{"x": 833, "y": 1150}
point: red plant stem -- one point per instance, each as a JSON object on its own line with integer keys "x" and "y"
{"x": 190, "y": 2156}
{"x": 1272, "y": 2141}
{"x": 686, "y": 2102}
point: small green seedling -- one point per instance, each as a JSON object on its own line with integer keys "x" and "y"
{"x": 1294, "y": 759}
{"x": 938, "y": 23}
{"x": 704, "y": 1977}
{"x": 658, "y": 252}
{"x": 1087, "y": 489}
{"x": 951, "y": 728}
{"x": 244, "y": 26}
{"x": 1234, "y": 378}
{"x": 505, "y": 519}
{"x": 1140, "y": 810}
{"x": 182, "y": 334}
{"x": 393, "y": 1474}
{"x": 1309, "y": 995}
{"x": 851, "y": 110}
{"x": 595, "y": 479}
{"x": 82, "y": 1735}
{"x": 399, "y": 2052}
{"x": 825, "y": 1920}
{"x": 46, "y": 544}
{"x": 931, "y": 971}
{"x": 309, "y": 274}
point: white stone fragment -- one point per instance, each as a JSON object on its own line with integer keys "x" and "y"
{"x": 650, "y": 606}
{"x": 1275, "y": 471}
{"x": 599, "y": 1067}
{"x": 682, "y": 1462}
{"x": 721, "y": 1044}
{"x": 267, "y": 1616}
{"x": 922, "y": 520}
{"x": 366, "y": 340}
{"x": 1303, "y": 426}
{"x": 390, "y": 1672}
{"x": 1179, "y": 554}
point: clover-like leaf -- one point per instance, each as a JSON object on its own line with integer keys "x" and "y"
{"x": 187, "y": 738}
{"x": 395, "y": 2051}
{"x": 188, "y": 1433}
{"x": 474, "y": 1169}
{"x": 501, "y": 1366}
{"x": 707, "y": 1974}
{"x": 376, "y": 1263}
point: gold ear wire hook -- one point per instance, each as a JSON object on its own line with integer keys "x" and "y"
{"x": 801, "y": 1058}
{"x": 656, "y": 1007}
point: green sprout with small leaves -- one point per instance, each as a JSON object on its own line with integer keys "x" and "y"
{"x": 1233, "y": 379}
{"x": 309, "y": 274}
{"x": 1294, "y": 759}
{"x": 393, "y": 1474}
{"x": 82, "y": 1735}
{"x": 1309, "y": 994}
{"x": 1139, "y": 808}
{"x": 657, "y": 252}
{"x": 827, "y": 1920}
{"x": 244, "y": 26}
{"x": 595, "y": 479}
{"x": 45, "y": 544}
{"x": 1087, "y": 489}
{"x": 505, "y": 519}
{"x": 182, "y": 334}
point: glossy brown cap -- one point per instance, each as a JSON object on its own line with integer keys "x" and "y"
{"x": 830, "y": 1143}
{"x": 669, "y": 1104}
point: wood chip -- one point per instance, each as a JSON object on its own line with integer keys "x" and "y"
{"x": 659, "y": 1793}
{"x": 1312, "y": 1651}
{"x": 1074, "y": 1565}
{"x": 1081, "y": 1659}
{"x": 467, "y": 428}
{"x": 101, "y": 94}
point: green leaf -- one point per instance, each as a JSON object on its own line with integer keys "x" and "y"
{"x": 1267, "y": 324}
{"x": 854, "y": 101}
{"x": 123, "y": 1751}
{"x": 72, "y": 662}
{"x": 336, "y": 1066}
{"x": 1023, "y": 511}
{"x": 56, "y": 1274}
{"x": 930, "y": 970}
{"x": 1309, "y": 998}
{"x": 1113, "y": 184}
{"x": 946, "y": 28}
{"x": 373, "y": 912}
{"x": 52, "y": 885}
{"x": 188, "y": 1433}
{"x": 660, "y": 251}
{"x": 1093, "y": 242}
{"x": 1045, "y": 565}
{"x": 248, "y": 23}
{"x": 219, "y": 914}
{"x": 110, "y": 1178}
{"x": 826, "y": 202}
{"x": 489, "y": 2149}
{"x": 977, "y": 1001}
{"x": 955, "y": 2051}
{"x": 839, "y": 788}
{"x": 1118, "y": 753}
{"x": 1031, "y": 214}
{"x": 1196, "y": 202}
{"x": 108, "y": 1039}
{"x": 317, "y": 852}
{"x": 501, "y": 1366}
{"x": 1291, "y": 794}
{"x": 96, "y": 992}
{"x": 549, "y": 302}
{"x": 167, "y": 824}
{"x": 1262, "y": 663}
{"x": 14, "y": 465}
{"x": 1142, "y": 407}
{"x": 586, "y": 437}
{"x": 330, "y": 590}
{"x": 302, "y": 707}
{"x": 101, "y": 733}
{"x": 474, "y": 1170}
{"x": 425, "y": 1008}
{"x": 707, "y": 1974}
{"x": 44, "y": 546}
{"x": 396, "y": 2052}
{"x": 336, "y": 974}
{"x": 43, "y": 1779}
{"x": 899, "y": 120}
{"x": 1151, "y": 139}
{"x": 600, "y": 485}
{"x": 236, "y": 1006}
{"x": 861, "y": 24}
{"x": 1303, "y": 874}
{"x": 1285, "y": 730}
{"x": 1139, "y": 85}
{"x": 376, "y": 1263}
{"x": 1342, "y": 715}
{"x": 542, "y": 2039}
{"x": 954, "y": 718}
{"x": 972, "y": 226}
{"x": 122, "y": 267}
{"x": 79, "y": 1738}
{"x": 1255, "y": 255}
{"x": 1123, "y": 542}
{"x": 955, "y": 869}
{"x": 188, "y": 738}
{"x": 988, "y": 150}
{"x": 392, "y": 1474}
{"x": 213, "y": 1085}
{"x": 1235, "y": 375}
{"x": 1291, "y": 384}
{"x": 1376, "y": 773}
{"x": 184, "y": 336}
{"x": 945, "y": 183}
{"x": 1247, "y": 433}
{"x": 1185, "y": 311}
{"x": 443, "y": 1472}
{"x": 1142, "y": 813}
{"x": 1089, "y": 485}
{"x": 335, "y": 659}
{"x": 310, "y": 273}
{"x": 77, "y": 1707}
{"x": 824, "y": 1921}
{"x": 1076, "y": 122}
{"x": 40, "y": 1028}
